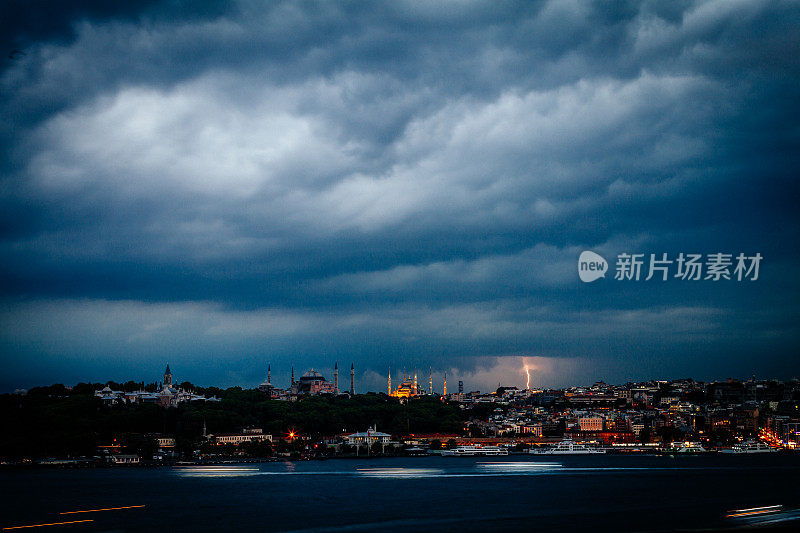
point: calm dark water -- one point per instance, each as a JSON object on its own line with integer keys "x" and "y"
{"x": 611, "y": 493}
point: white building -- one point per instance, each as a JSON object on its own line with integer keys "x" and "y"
{"x": 124, "y": 459}
{"x": 370, "y": 437}
{"x": 166, "y": 442}
{"x": 247, "y": 435}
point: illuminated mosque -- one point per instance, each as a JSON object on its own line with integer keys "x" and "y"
{"x": 408, "y": 387}
{"x": 312, "y": 382}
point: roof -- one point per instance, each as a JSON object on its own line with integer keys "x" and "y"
{"x": 312, "y": 375}
{"x": 372, "y": 434}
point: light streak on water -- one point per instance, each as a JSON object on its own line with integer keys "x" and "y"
{"x": 217, "y": 471}
{"x": 104, "y": 509}
{"x": 519, "y": 467}
{"x": 760, "y": 516}
{"x": 46, "y": 525}
{"x": 400, "y": 473}
{"x": 478, "y": 469}
{"x": 754, "y": 511}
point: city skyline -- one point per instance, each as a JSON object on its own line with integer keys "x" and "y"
{"x": 398, "y": 184}
{"x": 430, "y": 382}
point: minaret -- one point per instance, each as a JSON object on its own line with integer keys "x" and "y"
{"x": 292, "y": 374}
{"x": 352, "y": 380}
{"x": 269, "y": 374}
{"x": 205, "y": 433}
{"x": 336, "y": 377}
{"x": 416, "y": 387}
{"x": 430, "y": 381}
{"x": 167, "y": 377}
{"x": 444, "y": 391}
{"x": 389, "y": 382}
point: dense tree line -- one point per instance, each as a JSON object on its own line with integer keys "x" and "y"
{"x": 58, "y": 422}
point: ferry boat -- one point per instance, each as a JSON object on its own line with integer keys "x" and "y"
{"x": 750, "y": 446}
{"x": 687, "y": 447}
{"x": 466, "y": 451}
{"x": 567, "y": 447}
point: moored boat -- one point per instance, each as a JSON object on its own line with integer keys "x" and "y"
{"x": 687, "y": 447}
{"x": 750, "y": 446}
{"x": 567, "y": 447}
{"x": 473, "y": 450}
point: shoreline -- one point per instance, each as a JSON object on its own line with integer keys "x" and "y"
{"x": 82, "y": 463}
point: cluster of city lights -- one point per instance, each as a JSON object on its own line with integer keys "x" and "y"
{"x": 772, "y": 439}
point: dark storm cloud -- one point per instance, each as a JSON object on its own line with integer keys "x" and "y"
{"x": 402, "y": 182}
{"x": 23, "y": 24}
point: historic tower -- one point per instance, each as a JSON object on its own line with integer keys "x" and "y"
{"x": 336, "y": 377}
{"x": 352, "y": 380}
{"x": 444, "y": 391}
{"x": 167, "y": 377}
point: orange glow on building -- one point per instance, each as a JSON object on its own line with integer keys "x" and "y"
{"x": 406, "y": 389}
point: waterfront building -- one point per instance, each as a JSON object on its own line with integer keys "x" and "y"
{"x": 247, "y": 435}
{"x": 592, "y": 423}
{"x": 165, "y": 442}
{"x": 369, "y": 437}
{"x": 124, "y": 459}
{"x": 535, "y": 430}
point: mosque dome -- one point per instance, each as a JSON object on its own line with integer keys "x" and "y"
{"x": 312, "y": 375}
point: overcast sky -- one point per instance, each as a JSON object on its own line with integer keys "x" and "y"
{"x": 404, "y": 184}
